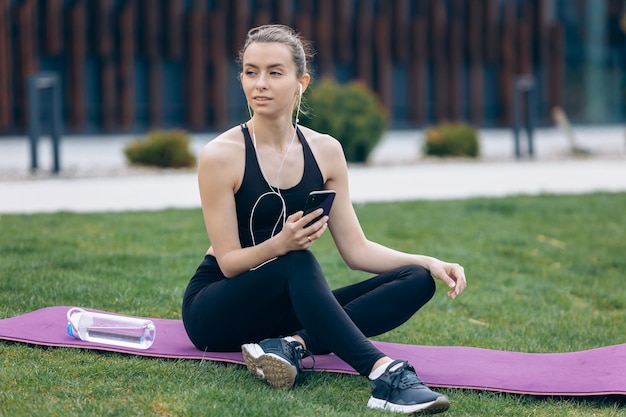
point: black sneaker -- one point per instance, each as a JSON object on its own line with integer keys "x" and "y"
{"x": 399, "y": 389}
{"x": 276, "y": 361}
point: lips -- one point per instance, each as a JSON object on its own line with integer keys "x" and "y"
{"x": 262, "y": 98}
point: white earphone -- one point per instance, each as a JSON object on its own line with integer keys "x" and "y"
{"x": 273, "y": 191}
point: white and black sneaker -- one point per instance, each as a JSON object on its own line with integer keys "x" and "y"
{"x": 400, "y": 390}
{"x": 277, "y": 361}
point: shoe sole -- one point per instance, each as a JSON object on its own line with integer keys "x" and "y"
{"x": 440, "y": 405}
{"x": 278, "y": 372}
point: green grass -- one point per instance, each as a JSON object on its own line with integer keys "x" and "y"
{"x": 545, "y": 274}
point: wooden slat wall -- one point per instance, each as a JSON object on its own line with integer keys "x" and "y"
{"x": 325, "y": 34}
{"x": 401, "y": 33}
{"x": 418, "y": 72}
{"x": 492, "y": 27}
{"x": 344, "y": 30}
{"x": 126, "y": 71}
{"x": 383, "y": 51}
{"x": 105, "y": 53}
{"x": 53, "y": 26}
{"x": 241, "y": 24}
{"x": 557, "y": 65}
{"x": 196, "y": 65}
{"x": 6, "y": 102}
{"x": 543, "y": 51}
{"x": 445, "y": 48}
{"x": 456, "y": 35}
{"x": 152, "y": 29}
{"x": 440, "y": 58}
{"x": 77, "y": 55}
{"x": 285, "y": 12}
{"x": 364, "y": 41}
{"x": 263, "y": 13}
{"x": 27, "y": 52}
{"x": 219, "y": 64}
{"x": 476, "y": 33}
{"x": 508, "y": 60}
{"x": 174, "y": 20}
{"x": 304, "y": 18}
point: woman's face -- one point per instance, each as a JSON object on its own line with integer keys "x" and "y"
{"x": 269, "y": 78}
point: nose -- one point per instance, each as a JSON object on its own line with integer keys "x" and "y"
{"x": 261, "y": 82}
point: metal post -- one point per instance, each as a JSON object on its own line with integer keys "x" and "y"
{"x": 56, "y": 123}
{"x": 516, "y": 119}
{"x": 523, "y": 86}
{"x": 530, "y": 117}
{"x": 33, "y": 122}
{"x": 37, "y": 84}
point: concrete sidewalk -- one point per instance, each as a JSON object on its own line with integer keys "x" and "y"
{"x": 95, "y": 176}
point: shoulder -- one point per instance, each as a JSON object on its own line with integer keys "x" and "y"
{"x": 223, "y": 159}
{"x": 226, "y": 147}
{"x": 324, "y": 146}
{"x": 328, "y": 154}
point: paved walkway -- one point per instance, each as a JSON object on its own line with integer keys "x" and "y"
{"x": 95, "y": 176}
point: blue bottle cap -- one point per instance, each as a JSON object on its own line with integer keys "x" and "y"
{"x": 70, "y": 330}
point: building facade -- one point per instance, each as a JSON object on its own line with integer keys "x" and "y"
{"x": 133, "y": 65}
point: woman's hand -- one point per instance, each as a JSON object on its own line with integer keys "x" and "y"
{"x": 453, "y": 275}
{"x": 298, "y": 237}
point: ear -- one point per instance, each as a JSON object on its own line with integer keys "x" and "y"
{"x": 304, "y": 83}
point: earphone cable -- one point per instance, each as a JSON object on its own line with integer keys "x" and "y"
{"x": 273, "y": 191}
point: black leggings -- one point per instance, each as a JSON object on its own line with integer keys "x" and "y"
{"x": 291, "y": 296}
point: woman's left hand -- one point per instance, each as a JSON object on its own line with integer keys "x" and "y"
{"x": 452, "y": 274}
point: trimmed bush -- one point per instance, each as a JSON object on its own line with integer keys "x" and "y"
{"x": 164, "y": 148}
{"x": 351, "y": 113}
{"x": 451, "y": 139}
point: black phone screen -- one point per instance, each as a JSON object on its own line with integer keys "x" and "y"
{"x": 317, "y": 199}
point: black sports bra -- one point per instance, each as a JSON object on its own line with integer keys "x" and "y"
{"x": 255, "y": 197}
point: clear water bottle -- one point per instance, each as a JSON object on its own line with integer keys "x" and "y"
{"x": 110, "y": 329}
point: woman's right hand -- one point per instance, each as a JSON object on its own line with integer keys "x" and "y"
{"x": 298, "y": 237}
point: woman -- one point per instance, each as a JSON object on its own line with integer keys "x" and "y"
{"x": 260, "y": 288}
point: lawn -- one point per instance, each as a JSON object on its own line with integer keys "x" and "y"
{"x": 545, "y": 274}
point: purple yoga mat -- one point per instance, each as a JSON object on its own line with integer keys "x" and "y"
{"x": 599, "y": 371}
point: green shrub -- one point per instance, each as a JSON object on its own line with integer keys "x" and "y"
{"x": 351, "y": 113}
{"x": 164, "y": 148}
{"x": 451, "y": 139}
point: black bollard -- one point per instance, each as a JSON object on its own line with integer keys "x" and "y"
{"x": 38, "y": 84}
{"x": 523, "y": 87}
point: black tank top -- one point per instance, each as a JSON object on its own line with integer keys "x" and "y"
{"x": 255, "y": 194}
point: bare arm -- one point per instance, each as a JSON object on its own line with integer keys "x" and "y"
{"x": 360, "y": 253}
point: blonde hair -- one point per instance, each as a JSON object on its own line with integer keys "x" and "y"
{"x": 301, "y": 50}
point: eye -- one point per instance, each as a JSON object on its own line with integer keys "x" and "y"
{"x": 249, "y": 73}
{"x": 276, "y": 73}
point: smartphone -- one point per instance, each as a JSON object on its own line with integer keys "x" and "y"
{"x": 317, "y": 199}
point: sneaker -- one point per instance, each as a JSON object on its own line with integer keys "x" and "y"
{"x": 276, "y": 360}
{"x": 399, "y": 389}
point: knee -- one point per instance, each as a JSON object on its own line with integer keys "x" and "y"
{"x": 421, "y": 281}
{"x": 304, "y": 257}
{"x": 299, "y": 263}
{"x": 297, "y": 259}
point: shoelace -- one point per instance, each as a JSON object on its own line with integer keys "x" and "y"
{"x": 403, "y": 377}
{"x": 299, "y": 353}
